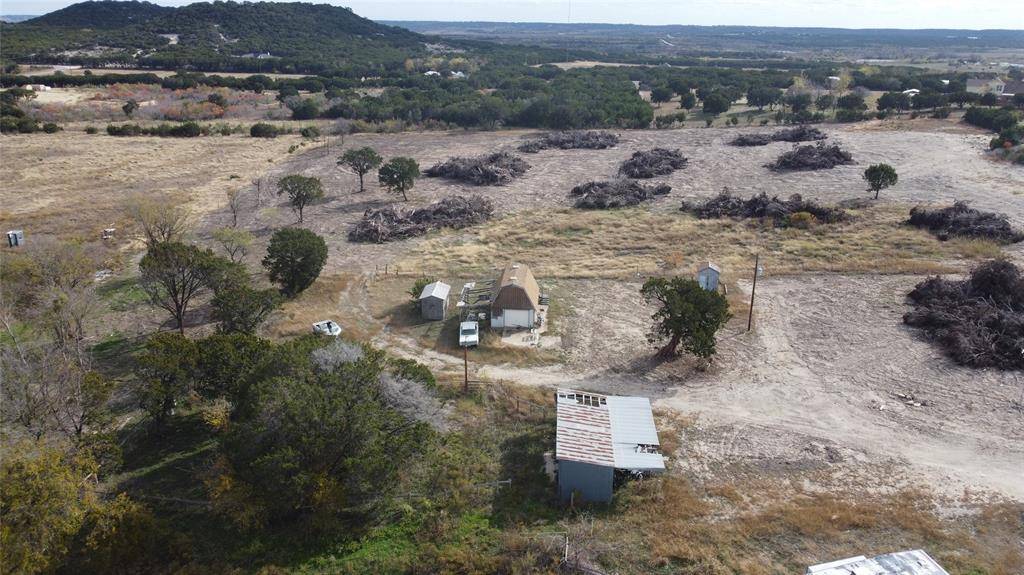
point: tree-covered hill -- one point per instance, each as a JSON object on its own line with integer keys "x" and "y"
{"x": 264, "y": 36}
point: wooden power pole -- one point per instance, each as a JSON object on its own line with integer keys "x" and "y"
{"x": 465, "y": 370}
{"x": 753, "y": 289}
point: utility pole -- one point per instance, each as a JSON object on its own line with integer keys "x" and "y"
{"x": 465, "y": 370}
{"x": 750, "y": 315}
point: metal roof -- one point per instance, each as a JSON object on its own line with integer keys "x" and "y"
{"x": 916, "y": 562}
{"x": 606, "y": 430}
{"x": 437, "y": 289}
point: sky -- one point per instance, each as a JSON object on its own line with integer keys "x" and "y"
{"x": 839, "y": 14}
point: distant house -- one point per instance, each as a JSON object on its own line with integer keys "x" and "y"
{"x": 516, "y": 300}
{"x": 985, "y": 86}
{"x": 434, "y": 300}
{"x": 636, "y": 85}
{"x": 431, "y": 73}
{"x": 834, "y": 81}
{"x": 915, "y": 562}
{"x": 458, "y": 74}
{"x": 1012, "y": 88}
{"x": 598, "y": 434}
{"x": 38, "y": 87}
{"x": 911, "y": 92}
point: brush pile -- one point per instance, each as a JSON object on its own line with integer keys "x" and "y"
{"x": 650, "y": 163}
{"x": 978, "y": 322}
{"x": 571, "y": 140}
{"x": 726, "y": 205}
{"x": 748, "y": 140}
{"x": 391, "y": 223}
{"x": 615, "y": 194}
{"x": 818, "y": 157}
{"x": 799, "y": 134}
{"x": 960, "y": 220}
{"x": 496, "y": 169}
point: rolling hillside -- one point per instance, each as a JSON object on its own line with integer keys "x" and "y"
{"x": 221, "y": 36}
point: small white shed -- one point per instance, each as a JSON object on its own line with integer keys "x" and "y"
{"x": 15, "y": 238}
{"x": 707, "y": 276}
{"x": 434, "y": 300}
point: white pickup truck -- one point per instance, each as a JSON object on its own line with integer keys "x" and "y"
{"x": 469, "y": 334}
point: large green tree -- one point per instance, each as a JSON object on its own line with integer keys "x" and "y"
{"x": 879, "y": 177}
{"x": 399, "y": 175}
{"x": 716, "y": 103}
{"x": 242, "y": 308}
{"x": 165, "y": 371}
{"x": 172, "y": 274}
{"x": 294, "y": 259}
{"x": 686, "y": 315}
{"x": 361, "y": 160}
{"x": 301, "y": 191}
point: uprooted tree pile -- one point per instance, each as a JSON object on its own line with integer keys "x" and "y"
{"x": 817, "y": 157}
{"x": 979, "y": 321}
{"x": 571, "y": 140}
{"x": 797, "y": 134}
{"x": 961, "y": 220}
{"x": 650, "y": 163}
{"x": 496, "y": 169}
{"x": 726, "y": 205}
{"x": 390, "y": 223}
{"x": 615, "y": 194}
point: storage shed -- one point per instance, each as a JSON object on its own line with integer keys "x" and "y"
{"x": 599, "y": 434}
{"x": 15, "y": 238}
{"x": 434, "y": 300}
{"x": 707, "y": 276}
{"x": 916, "y": 562}
{"x": 516, "y": 298}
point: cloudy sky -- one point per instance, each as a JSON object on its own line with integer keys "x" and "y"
{"x": 843, "y": 13}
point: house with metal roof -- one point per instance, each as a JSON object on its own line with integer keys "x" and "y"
{"x": 434, "y": 300}
{"x": 985, "y": 86}
{"x": 598, "y": 435}
{"x": 916, "y": 562}
{"x": 516, "y": 300}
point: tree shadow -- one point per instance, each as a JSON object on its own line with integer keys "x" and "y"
{"x": 530, "y": 496}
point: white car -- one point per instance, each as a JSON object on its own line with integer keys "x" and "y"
{"x": 469, "y": 334}
{"x": 327, "y": 327}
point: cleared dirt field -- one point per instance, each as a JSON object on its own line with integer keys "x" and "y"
{"x": 819, "y": 380}
{"x": 73, "y": 184}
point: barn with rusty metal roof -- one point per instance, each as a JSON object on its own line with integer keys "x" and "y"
{"x": 599, "y": 434}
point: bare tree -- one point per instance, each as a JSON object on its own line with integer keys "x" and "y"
{"x": 160, "y": 219}
{"x": 235, "y": 205}
{"x": 258, "y": 183}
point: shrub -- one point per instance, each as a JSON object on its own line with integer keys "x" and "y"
{"x": 960, "y": 220}
{"x": 51, "y": 128}
{"x": 996, "y": 120}
{"x": 91, "y": 130}
{"x": 310, "y": 132}
{"x": 263, "y": 130}
{"x": 801, "y": 220}
{"x": 27, "y": 125}
{"x": 124, "y": 130}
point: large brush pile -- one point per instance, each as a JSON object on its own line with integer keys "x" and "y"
{"x": 818, "y": 157}
{"x": 496, "y": 169}
{"x": 960, "y": 220}
{"x": 615, "y": 194}
{"x": 650, "y": 163}
{"x": 799, "y": 134}
{"x": 390, "y": 223}
{"x": 571, "y": 140}
{"x": 726, "y": 205}
{"x": 978, "y": 322}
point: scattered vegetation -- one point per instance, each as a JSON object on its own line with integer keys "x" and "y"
{"x": 651, "y": 163}
{"x": 571, "y": 140}
{"x": 687, "y": 315}
{"x": 399, "y": 175}
{"x": 818, "y": 157}
{"x": 978, "y": 321}
{"x": 390, "y": 223}
{"x": 362, "y": 161}
{"x": 301, "y": 191}
{"x": 616, "y": 194}
{"x": 879, "y": 177}
{"x": 496, "y": 169}
{"x": 961, "y": 220}
{"x": 782, "y": 213}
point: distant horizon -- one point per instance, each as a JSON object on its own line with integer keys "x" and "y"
{"x": 844, "y": 15}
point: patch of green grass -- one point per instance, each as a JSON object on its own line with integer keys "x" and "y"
{"x": 123, "y": 294}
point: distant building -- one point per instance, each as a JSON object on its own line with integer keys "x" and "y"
{"x": 15, "y": 238}
{"x": 458, "y": 74}
{"x": 431, "y": 73}
{"x": 434, "y": 300}
{"x": 834, "y": 81}
{"x": 707, "y": 276}
{"x": 1012, "y": 88}
{"x": 915, "y": 562}
{"x": 516, "y": 300}
{"x": 38, "y": 87}
{"x": 985, "y": 86}
{"x": 598, "y": 435}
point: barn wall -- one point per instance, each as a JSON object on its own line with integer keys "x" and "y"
{"x": 593, "y": 482}
{"x": 433, "y": 308}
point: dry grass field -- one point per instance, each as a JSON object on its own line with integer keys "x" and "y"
{"x": 72, "y": 184}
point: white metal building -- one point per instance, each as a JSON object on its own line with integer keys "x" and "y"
{"x": 598, "y": 434}
{"x": 916, "y": 562}
{"x": 516, "y": 300}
